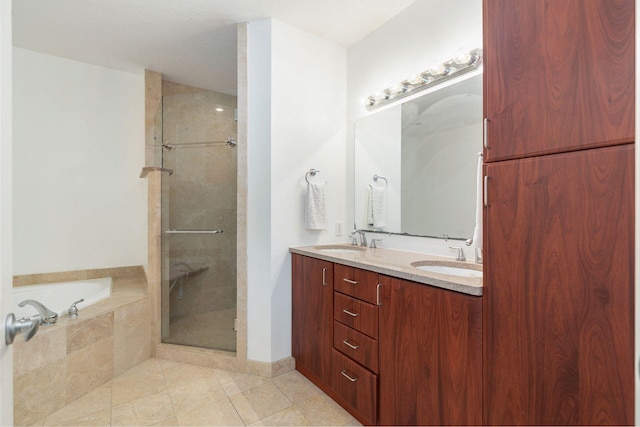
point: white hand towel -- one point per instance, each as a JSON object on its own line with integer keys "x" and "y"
{"x": 377, "y": 207}
{"x": 314, "y": 214}
{"x": 477, "y": 232}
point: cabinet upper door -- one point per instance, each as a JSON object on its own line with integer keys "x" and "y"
{"x": 559, "y": 290}
{"x": 559, "y": 75}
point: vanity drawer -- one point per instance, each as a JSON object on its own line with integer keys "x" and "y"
{"x": 355, "y": 385}
{"x": 357, "y": 314}
{"x": 356, "y": 345}
{"x": 358, "y": 283}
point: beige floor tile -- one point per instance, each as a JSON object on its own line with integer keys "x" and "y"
{"x": 235, "y": 382}
{"x": 296, "y": 387}
{"x": 191, "y": 395}
{"x": 220, "y": 413}
{"x": 287, "y": 417}
{"x": 143, "y": 412}
{"x": 99, "y": 418}
{"x": 180, "y": 374}
{"x": 320, "y": 410}
{"x": 169, "y": 422}
{"x": 96, "y": 402}
{"x": 259, "y": 402}
{"x": 146, "y": 379}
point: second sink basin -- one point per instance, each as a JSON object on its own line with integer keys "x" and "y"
{"x": 449, "y": 268}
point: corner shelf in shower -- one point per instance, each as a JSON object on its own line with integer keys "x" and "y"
{"x": 147, "y": 169}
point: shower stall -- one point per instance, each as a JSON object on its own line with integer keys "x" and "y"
{"x": 198, "y": 216}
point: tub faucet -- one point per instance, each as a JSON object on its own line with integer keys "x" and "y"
{"x": 47, "y": 317}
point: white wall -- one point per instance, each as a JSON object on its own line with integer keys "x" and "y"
{"x": 306, "y": 129}
{"x": 78, "y": 201}
{"x": 6, "y": 353}
{"x": 411, "y": 42}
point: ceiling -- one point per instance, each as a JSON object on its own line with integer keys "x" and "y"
{"x": 189, "y": 41}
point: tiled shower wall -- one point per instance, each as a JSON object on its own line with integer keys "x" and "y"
{"x": 200, "y": 195}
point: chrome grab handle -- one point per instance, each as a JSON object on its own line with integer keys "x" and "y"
{"x": 24, "y": 325}
{"x": 486, "y": 132}
{"x": 193, "y": 231}
{"x": 353, "y": 282}
{"x": 346, "y": 375}
{"x": 348, "y": 344}
{"x": 350, "y": 313}
{"x": 486, "y": 194}
{"x": 378, "y": 294}
{"x": 324, "y": 277}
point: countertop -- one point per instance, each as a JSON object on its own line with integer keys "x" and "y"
{"x": 397, "y": 263}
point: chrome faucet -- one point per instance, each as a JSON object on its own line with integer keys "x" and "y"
{"x": 363, "y": 237}
{"x": 460, "y": 256}
{"x": 47, "y": 317}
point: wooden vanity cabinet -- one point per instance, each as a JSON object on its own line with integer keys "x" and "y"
{"x": 312, "y": 316}
{"x": 430, "y": 355}
{"x": 402, "y": 353}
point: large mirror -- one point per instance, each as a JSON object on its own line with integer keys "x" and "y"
{"x": 416, "y": 164}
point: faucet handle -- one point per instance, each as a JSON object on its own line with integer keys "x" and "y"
{"x": 73, "y": 310}
{"x": 460, "y": 256}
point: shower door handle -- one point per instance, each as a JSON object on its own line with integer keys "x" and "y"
{"x": 193, "y": 231}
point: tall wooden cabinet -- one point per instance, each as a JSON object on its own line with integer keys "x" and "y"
{"x": 558, "y": 341}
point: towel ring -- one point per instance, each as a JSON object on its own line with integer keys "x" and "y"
{"x": 377, "y": 177}
{"x": 311, "y": 172}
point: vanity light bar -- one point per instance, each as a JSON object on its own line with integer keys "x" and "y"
{"x": 455, "y": 67}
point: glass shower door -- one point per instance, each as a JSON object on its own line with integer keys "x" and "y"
{"x": 199, "y": 221}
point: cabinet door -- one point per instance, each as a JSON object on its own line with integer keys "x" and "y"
{"x": 559, "y": 75}
{"x": 558, "y": 291}
{"x": 430, "y": 355}
{"x": 312, "y": 321}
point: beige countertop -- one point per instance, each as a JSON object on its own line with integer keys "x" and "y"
{"x": 397, "y": 263}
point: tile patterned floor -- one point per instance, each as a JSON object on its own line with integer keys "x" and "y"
{"x": 163, "y": 393}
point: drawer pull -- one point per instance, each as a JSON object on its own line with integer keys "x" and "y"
{"x": 353, "y": 282}
{"x": 346, "y": 375}
{"x": 350, "y": 313}
{"x": 348, "y": 344}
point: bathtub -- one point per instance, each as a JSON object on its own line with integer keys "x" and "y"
{"x": 58, "y": 297}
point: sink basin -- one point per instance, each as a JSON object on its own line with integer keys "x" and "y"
{"x": 340, "y": 249}
{"x": 449, "y": 268}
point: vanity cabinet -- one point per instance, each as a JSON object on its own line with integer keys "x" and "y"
{"x": 559, "y": 76}
{"x": 312, "y": 316}
{"x": 558, "y": 338}
{"x": 430, "y": 355}
{"x": 402, "y": 353}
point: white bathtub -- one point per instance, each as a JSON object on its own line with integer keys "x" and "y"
{"x": 58, "y": 297}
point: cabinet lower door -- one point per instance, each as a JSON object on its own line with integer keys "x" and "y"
{"x": 559, "y": 289}
{"x": 312, "y": 316}
{"x": 430, "y": 355}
